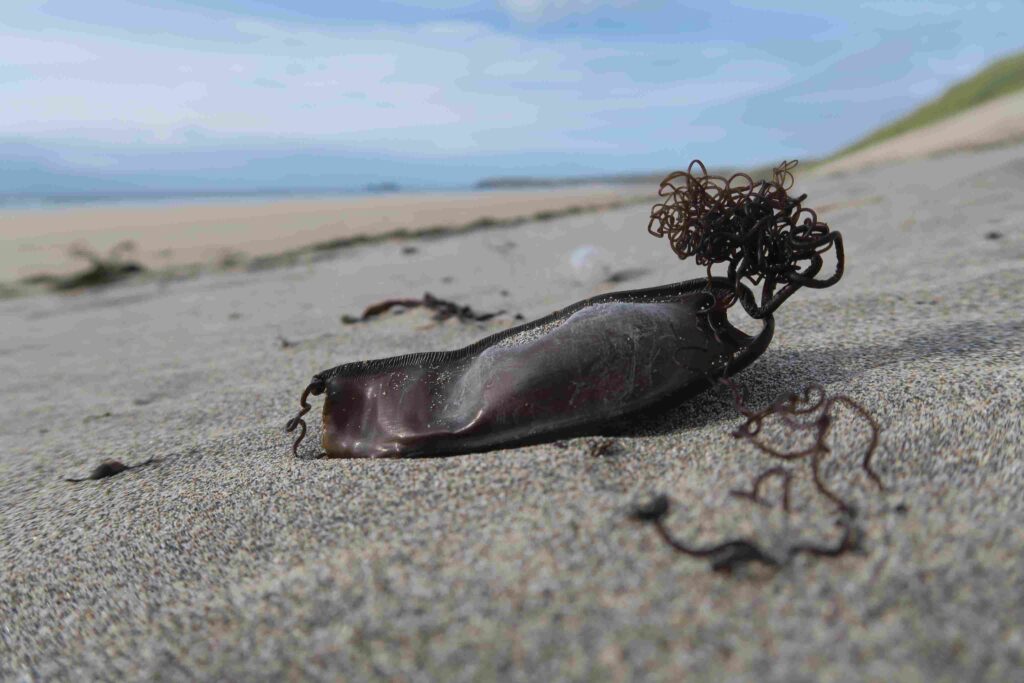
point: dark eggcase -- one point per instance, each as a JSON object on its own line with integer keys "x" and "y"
{"x": 591, "y": 368}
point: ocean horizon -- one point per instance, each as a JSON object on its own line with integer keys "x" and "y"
{"x": 59, "y": 200}
{"x": 56, "y": 200}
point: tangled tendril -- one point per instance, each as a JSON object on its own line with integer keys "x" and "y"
{"x": 766, "y": 236}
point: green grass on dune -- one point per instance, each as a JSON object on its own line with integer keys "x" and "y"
{"x": 1000, "y": 78}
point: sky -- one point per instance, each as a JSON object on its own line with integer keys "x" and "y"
{"x": 177, "y": 94}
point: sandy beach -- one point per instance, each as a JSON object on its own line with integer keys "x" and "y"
{"x": 41, "y": 241}
{"x": 992, "y": 123}
{"x": 228, "y": 559}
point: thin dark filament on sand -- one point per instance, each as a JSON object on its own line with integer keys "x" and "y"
{"x": 754, "y": 494}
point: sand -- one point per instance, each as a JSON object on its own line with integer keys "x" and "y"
{"x": 40, "y": 241}
{"x": 1000, "y": 121}
{"x": 231, "y": 560}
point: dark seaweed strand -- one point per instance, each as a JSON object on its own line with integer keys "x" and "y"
{"x": 731, "y": 554}
{"x": 754, "y": 494}
{"x": 442, "y": 308}
{"x": 766, "y": 237}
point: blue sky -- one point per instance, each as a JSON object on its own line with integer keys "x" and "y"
{"x": 316, "y": 93}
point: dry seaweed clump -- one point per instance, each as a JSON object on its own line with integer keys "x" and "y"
{"x": 766, "y": 236}
{"x": 442, "y": 309}
{"x": 102, "y": 269}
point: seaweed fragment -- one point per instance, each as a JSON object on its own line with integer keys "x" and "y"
{"x": 754, "y": 494}
{"x": 443, "y": 310}
{"x": 102, "y": 270}
{"x": 730, "y": 554}
{"x": 724, "y": 556}
{"x": 109, "y": 468}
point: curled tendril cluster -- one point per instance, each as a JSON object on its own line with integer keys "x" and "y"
{"x": 767, "y": 237}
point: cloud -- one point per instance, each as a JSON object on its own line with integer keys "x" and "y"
{"x": 549, "y": 10}
{"x": 551, "y": 81}
{"x": 451, "y": 86}
{"x": 914, "y": 8}
{"x": 18, "y": 50}
{"x": 269, "y": 83}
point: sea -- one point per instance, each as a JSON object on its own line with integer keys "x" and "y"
{"x": 41, "y": 200}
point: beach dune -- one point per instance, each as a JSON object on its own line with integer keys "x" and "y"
{"x": 1000, "y": 121}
